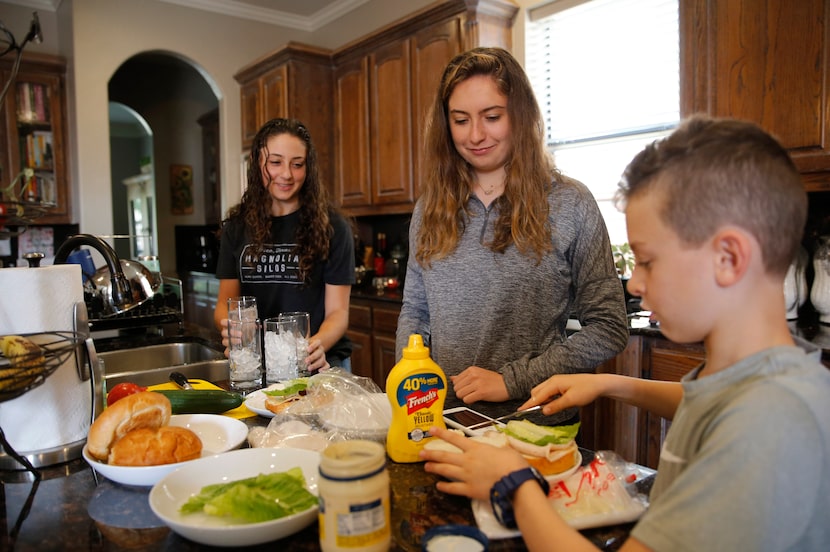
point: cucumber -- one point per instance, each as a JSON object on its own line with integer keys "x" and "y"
{"x": 201, "y": 401}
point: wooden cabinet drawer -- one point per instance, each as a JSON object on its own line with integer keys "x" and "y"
{"x": 385, "y": 319}
{"x": 669, "y": 364}
{"x": 360, "y": 316}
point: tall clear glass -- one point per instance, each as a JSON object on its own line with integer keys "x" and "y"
{"x": 302, "y": 329}
{"x": 245, "y": 358}
{"x": 280, "y": 339}
{"x": 242, "y": 308}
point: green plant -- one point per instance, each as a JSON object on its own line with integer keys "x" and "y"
{"x": 623, "y": 259}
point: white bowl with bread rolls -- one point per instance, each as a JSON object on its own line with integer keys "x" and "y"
{"x": 137, "y": 441}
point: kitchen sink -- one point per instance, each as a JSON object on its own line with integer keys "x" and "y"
{"x": 152, "y": 364}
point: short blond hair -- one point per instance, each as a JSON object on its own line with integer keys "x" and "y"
{"x": 714, "y": 172}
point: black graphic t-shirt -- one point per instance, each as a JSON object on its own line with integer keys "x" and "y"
{"x": 272, "y": 275}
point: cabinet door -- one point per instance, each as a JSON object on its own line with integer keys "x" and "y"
{"x": 384, "y": 358}
{"x": 361, "y": 353}
{"x": 274, "y": 95}
{"x": 667, "y": 362}
{"x": 352, "y": 129}
{"x": 384, "y": 326}
{"x": 391, "y": 124}
{"x": 608, "y": 424}
{"x": 432, "y": 48}
{"x": 35, "y": 140}
{"x": 250, "y": 108}
{"x": 765, "y": 61}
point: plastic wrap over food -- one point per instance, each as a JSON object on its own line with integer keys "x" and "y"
{"x": 335, "y": 406}
{"x": 605, "y": 490}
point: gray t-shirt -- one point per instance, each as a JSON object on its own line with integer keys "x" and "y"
{"x": 746, "y": 462}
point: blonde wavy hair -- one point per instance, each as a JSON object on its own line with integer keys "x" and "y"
{"x": 530, "y": 171}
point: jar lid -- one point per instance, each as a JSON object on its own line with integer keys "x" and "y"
{"x": 460, "y": 538}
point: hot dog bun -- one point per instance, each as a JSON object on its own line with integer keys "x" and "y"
{"x": 152, "y": 447}
{"x": 138, "y": 411}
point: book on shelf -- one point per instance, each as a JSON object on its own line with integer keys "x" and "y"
{"x": 36, "y": 150}
{"x": 32, "y": 102}
{"x": 40, "y": 189}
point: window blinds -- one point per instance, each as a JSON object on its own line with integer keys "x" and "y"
{"x": 604, "y": 69}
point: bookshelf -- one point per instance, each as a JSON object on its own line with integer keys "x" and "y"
{"x": 33, "y": 125}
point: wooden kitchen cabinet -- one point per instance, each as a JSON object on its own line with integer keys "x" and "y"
{"x": 360, "y": 334}
{"x": 372, "y": 327}
{"x": 635, "y": 434}
{"x": 294, "y": 81}
{"x": 765, "y": 61}
{"x": 665, "y": 361}
{"x": 384, "y": 85}
{"x": 34, "y": 128}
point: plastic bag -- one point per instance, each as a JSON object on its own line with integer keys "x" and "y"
{"x": 605, "y": 490}
{"x": 337, "y": 406}
{"x": 602, "y": 492}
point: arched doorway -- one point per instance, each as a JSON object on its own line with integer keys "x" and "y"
{"x": 133, "y": 203}
{"x": 172, "y": 96}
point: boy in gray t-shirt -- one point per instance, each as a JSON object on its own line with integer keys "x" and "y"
{"x": 715, "y": 215}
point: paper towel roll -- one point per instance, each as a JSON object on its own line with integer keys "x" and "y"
{"x": 58, "y": 411}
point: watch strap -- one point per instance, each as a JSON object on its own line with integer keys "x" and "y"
{"x": 501, "y": 494}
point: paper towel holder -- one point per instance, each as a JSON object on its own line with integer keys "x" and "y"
{"x": 11, "y": 460}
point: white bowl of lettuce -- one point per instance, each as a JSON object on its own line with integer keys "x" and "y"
{"x": 236, "y": 510}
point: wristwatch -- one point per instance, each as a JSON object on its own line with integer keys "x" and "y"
{"x": 502, "y": 493}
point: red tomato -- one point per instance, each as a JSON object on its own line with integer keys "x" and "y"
{"x": 122, "y": 390}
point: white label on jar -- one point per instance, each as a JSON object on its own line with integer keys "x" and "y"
{"x": 360, "y": 525}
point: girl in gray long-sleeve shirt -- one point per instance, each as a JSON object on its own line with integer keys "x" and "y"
{"x": 503, "y": 248}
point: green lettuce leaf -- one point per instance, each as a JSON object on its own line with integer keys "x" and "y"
{"x": 260, "y": 498}
{"x": 291, "y": 387}
{"x": 540, "y": 435}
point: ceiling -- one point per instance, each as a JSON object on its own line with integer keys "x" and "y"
{"x": 307, "y": 15}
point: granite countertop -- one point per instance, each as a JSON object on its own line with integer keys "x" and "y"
{"x": 71, "y": 508}
{"x": 60, "y": 512}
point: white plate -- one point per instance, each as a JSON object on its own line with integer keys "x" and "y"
{"x": 255, "y": 401}
{"x": 218, "y": 434}
{"x": 168, "y": 495}
{"x": 567, "y": 473}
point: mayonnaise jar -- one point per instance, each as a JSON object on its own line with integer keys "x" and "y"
{"x": 354, "y": 497}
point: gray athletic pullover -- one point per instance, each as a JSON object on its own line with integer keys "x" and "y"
{"x": 503, "y": 312}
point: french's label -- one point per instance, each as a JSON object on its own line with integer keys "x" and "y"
{"x": 419, "y": 392}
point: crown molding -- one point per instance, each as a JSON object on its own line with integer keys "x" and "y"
{"x": 240, "y": 9}
{"x": 44, "y": 5}
{"x": 236, "y": 8}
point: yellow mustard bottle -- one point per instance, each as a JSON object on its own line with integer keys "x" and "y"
{"x": 416, "y": 388}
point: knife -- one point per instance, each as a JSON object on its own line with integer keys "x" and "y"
{"x": 510, "y": 416}
{"x": 181, "y": 380}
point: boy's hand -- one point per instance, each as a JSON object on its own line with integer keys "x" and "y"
{"x": 475, "y": 470}
{"x": 565, "y": 391}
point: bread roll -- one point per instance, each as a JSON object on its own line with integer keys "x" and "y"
{"x": 153, "y": 447}
{"x": 145, "y": 410}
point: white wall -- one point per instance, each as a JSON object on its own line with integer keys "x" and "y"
{"x": 97, "y": 36}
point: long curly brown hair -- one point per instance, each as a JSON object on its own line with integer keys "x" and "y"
{"x": 523, "y": 207}
{"x": 315, "y": 230}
